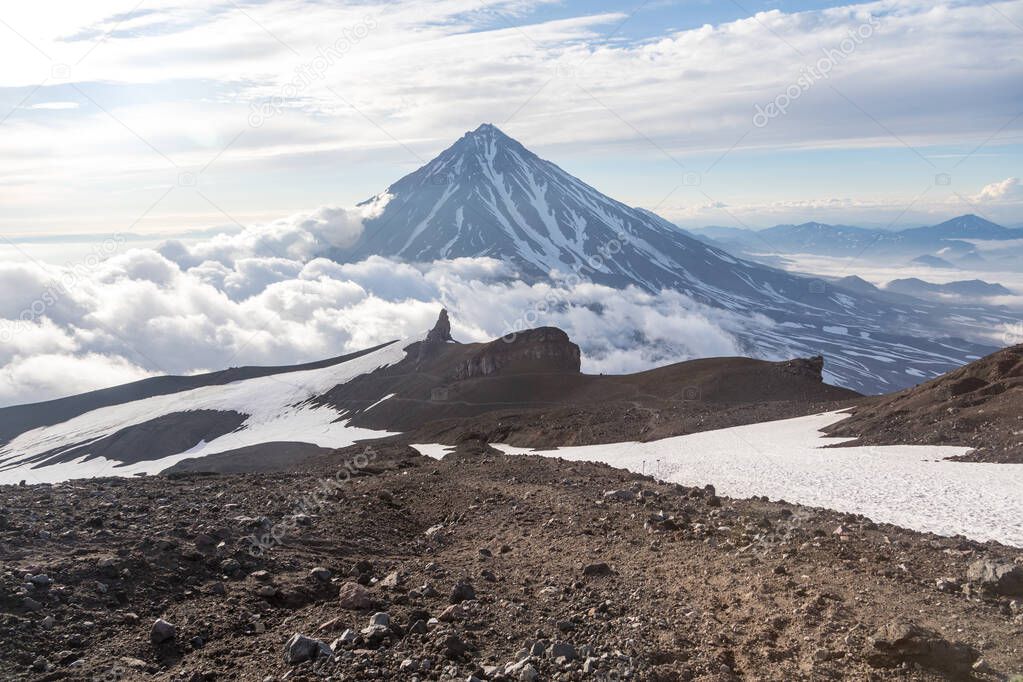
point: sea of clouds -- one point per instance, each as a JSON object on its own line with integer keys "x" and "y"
{"x": 264, "y": 295}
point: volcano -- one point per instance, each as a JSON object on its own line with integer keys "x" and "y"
{"x": 489, "y": 196}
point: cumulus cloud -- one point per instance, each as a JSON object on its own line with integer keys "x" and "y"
{"x": 1005, "y": 190}
{"x": 42, "y": 376}
{"x": 230, "y": 300}
{"x": 296, "y": 238}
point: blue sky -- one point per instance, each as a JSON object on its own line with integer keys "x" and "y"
{"x": 182, "y": 114}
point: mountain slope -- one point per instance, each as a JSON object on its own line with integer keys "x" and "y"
{"x": 967, "y": 226}
{"x": 488, "y": 196}
{"x": 979, "y": 405}
{"x": 400, "y": 386}
{"x": 950, "y": 239}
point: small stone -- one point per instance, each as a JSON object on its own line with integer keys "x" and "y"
{"x": 320, "y": 573}
{"x": 452, "y": 613}
{"x": 354, "y": 597}
{"x": 529, "y": 673}
{"x": 380, "y": 618}
{"x": 462, "y": 591}
{"x": 31, "y": 604}
{"x": 47, "y": 623}
{"x": 300, "y": 648}
{"x": 562, "y": 650}
{"x": 347, "y": 638}
{"x": 162, "y": 631}
{"x": 454, "y": 647}
{"x": 261, "y": 576}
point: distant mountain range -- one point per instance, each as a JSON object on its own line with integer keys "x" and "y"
{"x": 949, "y": 244}
{"x": 973, "y": 288}
{"x": 487, "y": 195}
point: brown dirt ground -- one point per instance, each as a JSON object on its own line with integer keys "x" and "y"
{"x": 728, "y": 590}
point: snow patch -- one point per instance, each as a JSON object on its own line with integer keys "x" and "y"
{"x": 908, "y": 485}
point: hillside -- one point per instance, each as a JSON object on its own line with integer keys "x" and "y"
{"x": 979, "y": 405}
{"x": 431, "y": 387}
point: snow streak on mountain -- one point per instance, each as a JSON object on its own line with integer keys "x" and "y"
{"x": 487, "y": 195}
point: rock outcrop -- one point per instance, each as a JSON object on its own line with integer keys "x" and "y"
{"x": 811, "y": 368}
{"x": 540, "y": 350}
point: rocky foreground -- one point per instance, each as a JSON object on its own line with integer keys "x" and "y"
{"x": 390, "y": 566}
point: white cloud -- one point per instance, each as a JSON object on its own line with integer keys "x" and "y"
{"x": 394, "y": 80}
{"x": 55, "y": 106}
{"x": 140, "y": 313}
{"x": 1007, "y": 190}
{"x": 298, "y": 237}
{"x": 43, "y": 376}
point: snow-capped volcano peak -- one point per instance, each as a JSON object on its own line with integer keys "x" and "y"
{"x": 487, "y": 195}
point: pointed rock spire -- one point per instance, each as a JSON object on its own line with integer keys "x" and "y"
{"x": 441, "y": 331}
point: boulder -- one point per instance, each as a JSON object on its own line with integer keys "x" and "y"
{"x": 162, "y": 631}
{"x": 997, "y": 577}
{"x": 354, "y": 597}
{"x": 300, "y": 648}
{"x": 903, "y": 642}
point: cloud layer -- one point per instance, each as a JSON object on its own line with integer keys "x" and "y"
{"x": 261, "y": 296}
{"x": 280, "y": 99}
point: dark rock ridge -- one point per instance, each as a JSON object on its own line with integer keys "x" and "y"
{"x": 441, "y": 331}
{"x": 435, "y": 339}
{"x": 977, "y": 405}
{"x": 811, "y": 368}
{"x": 545, "y": 349}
